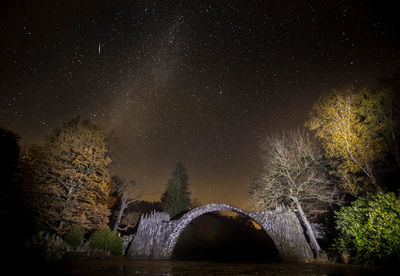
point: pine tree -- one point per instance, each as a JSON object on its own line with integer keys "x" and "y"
{"x": 176, "y": 197}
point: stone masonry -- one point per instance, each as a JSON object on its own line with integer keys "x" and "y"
{"x": 157, "y": 235}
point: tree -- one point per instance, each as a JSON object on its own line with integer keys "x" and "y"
{"x": 10, "y": 153}
{"x": 128, "y": 193}
{"x": 71, "y": 181}
{"x": 12, "y": 213}
{"x": 393, "y": 85}
{"x": 176, "y": 197}
{"x": 369, "y": 229}
{"x": 294, "y": 176}
{"x": 9, "y": 157}
{"x": 354, "y": 128}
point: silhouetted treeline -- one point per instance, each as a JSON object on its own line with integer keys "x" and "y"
{"x": 145, "y": 207}
{"x": 15, "y": 221}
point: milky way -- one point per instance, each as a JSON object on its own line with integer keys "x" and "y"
{"x": 199, "y": 82}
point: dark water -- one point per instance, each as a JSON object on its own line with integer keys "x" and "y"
{"x": 126, "y": 266}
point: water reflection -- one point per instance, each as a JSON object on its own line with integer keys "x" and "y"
{"x": 126, "y": 266}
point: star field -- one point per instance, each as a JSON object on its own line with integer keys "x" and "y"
{"x": 199, "y": 82}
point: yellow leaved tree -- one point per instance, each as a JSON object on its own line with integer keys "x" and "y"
{"x": 71, "y": 179}
{"x": 354, "y": 127}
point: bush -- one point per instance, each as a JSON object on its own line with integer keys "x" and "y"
{"x": 74, "y": 237}
{"x": 105, "y": 239}
{"x": 369, "y": 229}
{"x": 48, "y": 246}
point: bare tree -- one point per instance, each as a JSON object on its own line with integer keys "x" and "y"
{"x": 293, "y": 175}
{"x": 128, "y": 192}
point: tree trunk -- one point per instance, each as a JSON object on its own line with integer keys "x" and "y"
{"x": 120, "y": 214}
{"x": 60, "y": 226}
{"x": 314, "y": 244}
{"x": 396, "y": 149}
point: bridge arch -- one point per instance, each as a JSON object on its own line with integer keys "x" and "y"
{"x": 157, "y": 235}
{"x": 213, "y": 207}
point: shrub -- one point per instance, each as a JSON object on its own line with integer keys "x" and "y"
{"x": 369, "y": 229}
{"x": 105, "y": 239}
{"x": 48, "y": 246}
{"x": 74, "y": 236}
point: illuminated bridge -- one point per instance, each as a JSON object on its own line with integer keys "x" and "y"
{"x": 157, "y": 235}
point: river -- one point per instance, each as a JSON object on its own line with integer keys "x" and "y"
{"x": 126, "y": 266}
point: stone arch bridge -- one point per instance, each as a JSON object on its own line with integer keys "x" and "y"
{"x": 157, "y": 235}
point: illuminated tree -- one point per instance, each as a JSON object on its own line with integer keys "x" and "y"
{"x": 71, "y": 182}
{"x": 369, "y": 229}
{"x": 294, "y": 176}
{"x": 176, "y": 197}
{"x": 354, "y": 128}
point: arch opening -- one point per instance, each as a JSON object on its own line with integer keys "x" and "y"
{"x": 214, "y": 236}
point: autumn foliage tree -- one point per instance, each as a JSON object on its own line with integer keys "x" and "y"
{"x": 355, "y": 129}
{"x": 70, "y": 180}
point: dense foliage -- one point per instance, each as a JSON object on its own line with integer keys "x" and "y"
{"x": 69, "y": 175}
{"x": 370, "y": 228}
{"x": 107, "y": 240}
{"x": 176, "y": 197}
{"x": 356, "y": 129}
{"x": 74, "y": 236}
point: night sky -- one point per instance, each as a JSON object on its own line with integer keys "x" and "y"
{"x": 199, "y": 82}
